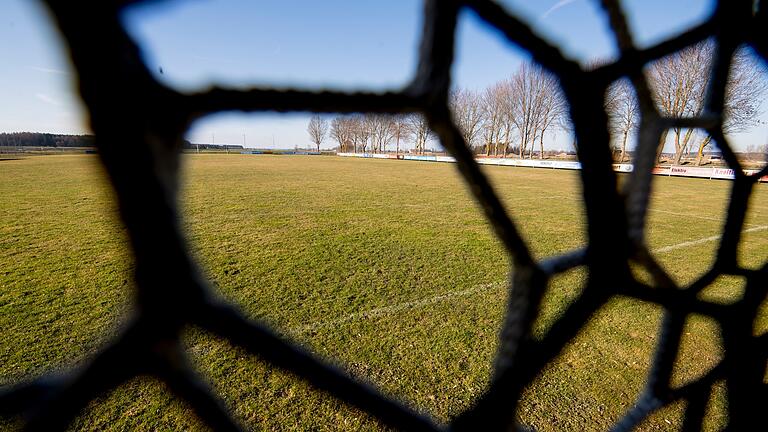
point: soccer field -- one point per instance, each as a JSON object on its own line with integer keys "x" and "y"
{"x": 387, "y": 267}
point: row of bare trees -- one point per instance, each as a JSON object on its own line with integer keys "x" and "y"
{"x": 510, "y": 116}
{"x": 371, "y": 132}
{"x": 513, "y": 116}
{"x": 680, "y": 83}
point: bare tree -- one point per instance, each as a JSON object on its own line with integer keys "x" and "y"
{"x": 745, "y": 92}
{"x": 400, "y": 129}
{"x": 536, "y": 105}
{"x": 381, "y": 131}
{"x": 318, "y": 129}
{"x": 468, "y": 113}
{"x": 342, "y": 132}
{"x": 360, "y": 132}
{"x": 507, "y": 126}
{"x": 551, "y": 107}
{"x": 494, "y": 111}
{"x": 418, "y": 128}
{"x": 680, "y": 82}
{"x": 623, "y": 112}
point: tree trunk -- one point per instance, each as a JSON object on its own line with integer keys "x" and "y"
{"x": 624, "y": 147}
{"x": 541, "y": 146}
{"x": 662, "y": 142}
{"x": 681, "y": 147}
{"x": 686, "y": 145}
{"x": 700, "y": 154}
{"x": 678, "y": 157}
{"x": 678, "y": 148}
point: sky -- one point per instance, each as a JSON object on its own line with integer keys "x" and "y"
{"x": 347, "y": 45}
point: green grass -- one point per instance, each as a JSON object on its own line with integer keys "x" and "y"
{"x": 307, "y": 244}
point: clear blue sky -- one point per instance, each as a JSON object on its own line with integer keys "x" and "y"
{"x": 340, "y": 44}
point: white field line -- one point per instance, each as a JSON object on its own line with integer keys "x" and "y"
{"x": 682, "y": 245}
{"x": 719, "y": 220}
{"x": 686, "y": 215}
{"x": 752, "y": 207}
{"x": 401, "y": 307}
{"x": 396, "y": 308}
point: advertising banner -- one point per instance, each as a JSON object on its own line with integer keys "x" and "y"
{"x": 566, "y": 165}
{"x": 691, "y": 172}
{"x": 722, "y": 173}
{"x": 511, "y": 162}
{"x": 525, "y": 163}
{"x": 420, "y": 158}
{"x": 677, "y": 171}
{"x": 545, "y": 164}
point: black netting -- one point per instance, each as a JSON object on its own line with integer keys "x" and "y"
{"x": 139, "y": 125}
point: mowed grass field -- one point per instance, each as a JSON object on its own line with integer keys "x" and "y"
{"x": 387, "y": 268}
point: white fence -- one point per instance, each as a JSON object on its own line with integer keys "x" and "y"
{"x": 676, "y": 171}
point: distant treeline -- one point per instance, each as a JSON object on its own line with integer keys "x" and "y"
{"x": 34, "y": 139}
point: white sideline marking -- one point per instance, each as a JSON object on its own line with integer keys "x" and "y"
{"x": 686, "y": 215}
{"x": 719, "y": 220}
{"x": 400, "y": 307}
{"x": 666, "y": 249}
{"x": 396, "y": 308}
